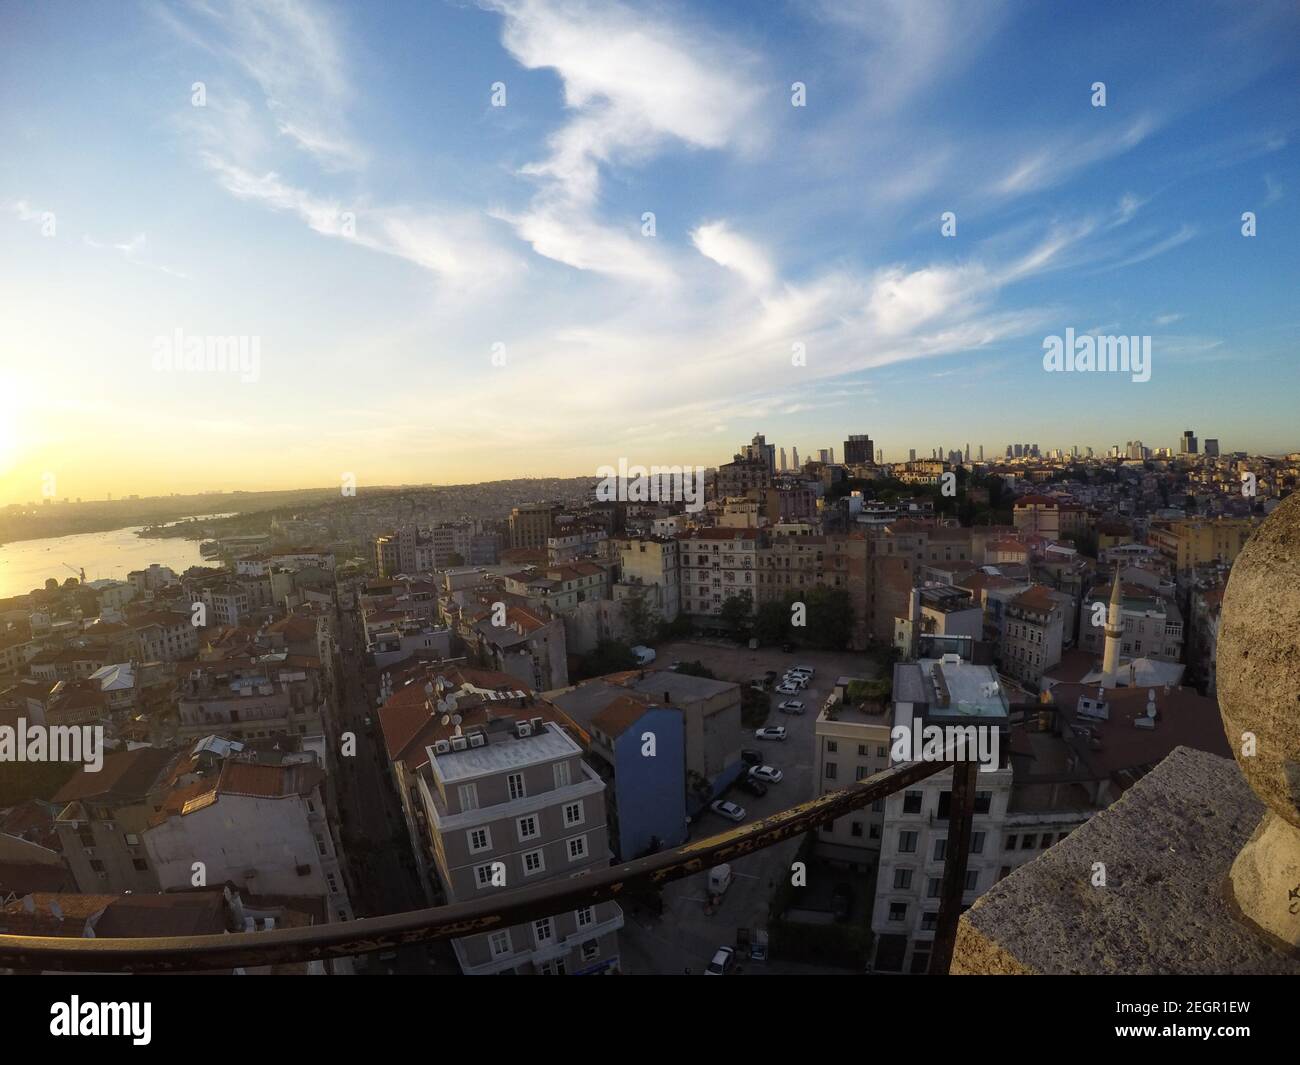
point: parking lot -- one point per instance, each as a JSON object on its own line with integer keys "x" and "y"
{"x": 685, "y": 937}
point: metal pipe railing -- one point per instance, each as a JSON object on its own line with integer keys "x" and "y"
{"x": 498, "y": 910}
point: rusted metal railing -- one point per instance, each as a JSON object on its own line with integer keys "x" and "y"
{"x": 505, "y": 908}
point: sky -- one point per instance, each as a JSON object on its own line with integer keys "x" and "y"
{"x": 470, "y": 241}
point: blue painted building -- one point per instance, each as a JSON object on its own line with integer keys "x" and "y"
{"x": 647, "y": 801}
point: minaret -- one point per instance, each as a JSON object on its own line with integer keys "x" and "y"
{"x": 1114, "y": 633}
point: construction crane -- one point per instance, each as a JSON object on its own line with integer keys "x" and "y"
{"x": 74, "y": 569}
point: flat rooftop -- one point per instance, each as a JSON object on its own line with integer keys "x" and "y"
{"x": 503, "y": 752}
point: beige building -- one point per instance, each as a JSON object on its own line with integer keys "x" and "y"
{"x": 851, "y": 743}
{"x": 531, "y": 525}
{"x": 1193, "y": 542}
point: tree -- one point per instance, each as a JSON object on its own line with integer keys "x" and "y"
{"x": 772, "y": 622}
{"x": 737, "y": 613}
{"x": 637, "y": 616}
{"x": 697, "y": 669}
{"x": 608, "y": 656}
{"x": 830, "y": 618}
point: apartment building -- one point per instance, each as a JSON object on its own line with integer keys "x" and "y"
{"x": 158, "y": 636}
{"x": 1033, "y": 635}
{"x": 736, "y": 478}
{"x": 1192, "y": 542}
{"x": 531, "y": 525}
{"x": 915, "y": 827}
{"x": 717, "y": 564}
{"x": 103, "y": 817}
{"x": 649, "y": 565}
{"x": 259, "y": 826}
{"x": 1152, "y": 623}
{"x": 506, "y": 800}
{"x": 254, "y": 698}
{"x": 531, "y": 646}
{"x": 560, "y": 588}
{"x": 852, "y": 742}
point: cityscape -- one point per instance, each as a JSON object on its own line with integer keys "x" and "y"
{"x": 469, "y": 507}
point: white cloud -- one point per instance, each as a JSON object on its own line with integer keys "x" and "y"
{"x": 716, "y": 241}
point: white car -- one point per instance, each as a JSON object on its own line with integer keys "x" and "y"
{"x": 791, "y": 706}
{"x": 726, "y": 809}
{"x": 786, "y": 688}
{"x": 807, "y": 672}
{"x": 766, "y": 773}
{"x": 797, "y": 679}
{"x": 721, "y": 963}
{"x": 770, "y": 732}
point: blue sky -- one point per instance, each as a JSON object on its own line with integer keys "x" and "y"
{"x": 349, "y": 196}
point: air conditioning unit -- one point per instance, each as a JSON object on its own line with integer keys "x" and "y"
{"x": 459, "y": 743}
{"x": 477, "y": 739}
{"x": 441, "y": 747}
{"x": 537, "y": 724}
{"x": 523, "y": 729}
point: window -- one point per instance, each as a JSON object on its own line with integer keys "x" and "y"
{"x": 132, "y": 840}
{"x": 911, "y": 802}
{"x": 977, "y": 843}
{"x": 561, "y": 774}
{"x": 983, "y": 800}
{"x": 830, "y": 770}
{"x": 577, "y": 848}
{"x": 479, "y": 839}
{"x": 528, "y": 827}
{"x": 880, "y": 752}
{"x": 585, "y": 916}
{"x": 483, "y": 874}
{"x": 929, "y": 920}
{"x": 863, "y": 750}
{"x": 972, "y": 880}
{"x": 832, "y": 746}
{"x": 907, "y": 843}
{"x": 898, "y": 911}
{"x": 500, "y": 943}
{"x": 590, "y": 950}
{"x": 516, "y": 783}
{"x": 97, "y": 865}
{"x": 542, "y": 931}
{"x": 902, "y": 879}
{"x": 940, "y": 849}
{"x": 873, "y": 832}
{"x": 855, "y": 829}
{"x": 573, "y": 815}
{"x": 1027, "y": 841}
{"x": 933, "y": 886}
{"x": 863, "y": 772}
{"x": 534, "y": 862}
{"x": 468, "y": 796}
{"x": 945, "y": 804}
{"x": 1009, "y": 844}
{"x": 1046, "y": 841}
{"x": 141, "y": 866}
{"x": 878, "y": 807}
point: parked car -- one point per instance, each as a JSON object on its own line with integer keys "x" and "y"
{"x": 644, "y": 655}
{"x": 751, "y": 757}
{"x": 729, "y": 810}
{"x": 786, "y": 688}
{"x": 807, "y": 671}
{"x": 770, "y": 732}
{"x": 766, "y": 773}
{"x": 752, "y": 785}
{"x": 791, "y": 706}
{"x": 722, "y": 962}
{"x": 796, "y": 679}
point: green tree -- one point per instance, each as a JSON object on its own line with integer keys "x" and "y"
{"x": 608, "y": 656}
{"x": 830, "y": 618}
{"x": 638, "y": 616}
{"x": 737, "y": 614}
{"x": 772, "y": 622}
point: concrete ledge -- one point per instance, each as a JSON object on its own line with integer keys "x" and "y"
{"x": 1167, "y": 846}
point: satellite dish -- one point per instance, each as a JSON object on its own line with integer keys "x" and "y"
{"x": 428, "y": 689}
{"x": 456, "y": 720}
{"x": 446, "y": 720}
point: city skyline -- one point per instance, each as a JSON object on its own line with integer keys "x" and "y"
{"x": 360, "y": 213}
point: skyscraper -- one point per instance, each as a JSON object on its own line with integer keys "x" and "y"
{"x": 911, "y": 454}
{"x": 1212, "y": 447}
{"x": 858, "y": 450}
{"x": 1187, "y": 446}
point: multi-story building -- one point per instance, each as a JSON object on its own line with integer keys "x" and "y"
{"x": 858, "y": 450}
{"x": 650, "y": 564}
{"x": 560, "y": 588}
{"x": 852, "y": 743}
{"x": 1151, "y": 624}
{"x": 254, "y": 698}
{"x": 103, "y": 818}
{"x": 1192, "y": 542}
{"x": 1033, "y": 634}
{"x": 717, "y": 564}
{"x": 531, "y": 525}
{"x": 261, "y": 827}
{"x": 506, "y": 801}
{"x": 736, "y": 478}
